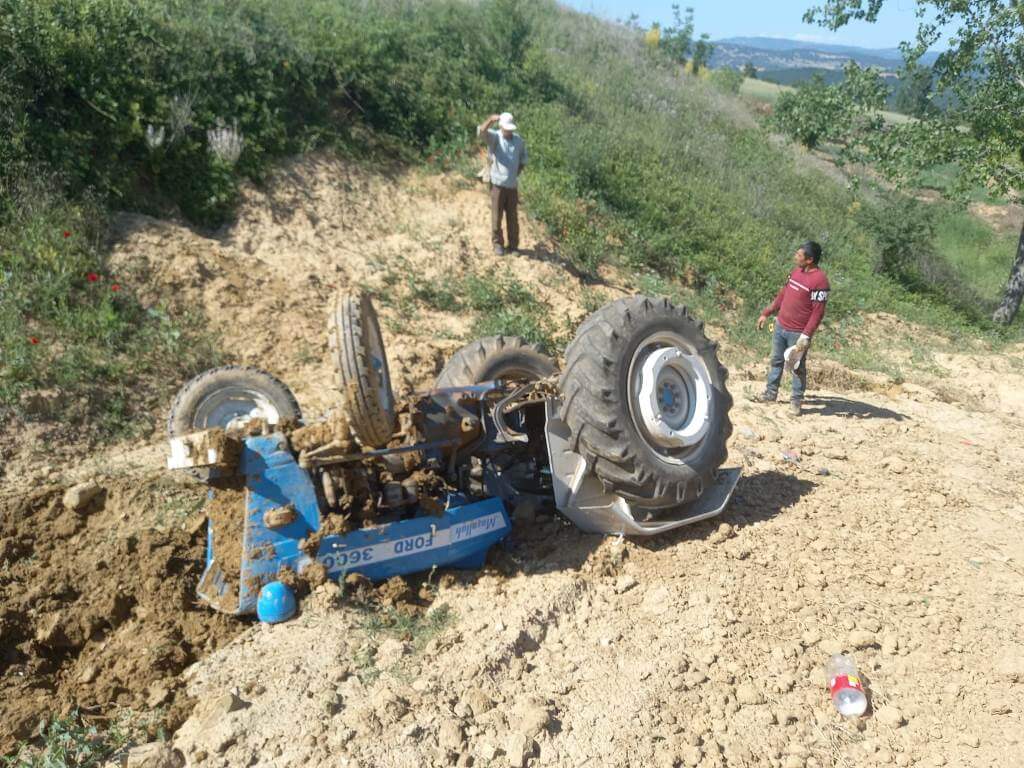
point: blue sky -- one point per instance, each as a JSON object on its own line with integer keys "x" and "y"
{"x": 766, "y": 18}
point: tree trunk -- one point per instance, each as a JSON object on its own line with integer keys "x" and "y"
{"x": 1014, "y": 288}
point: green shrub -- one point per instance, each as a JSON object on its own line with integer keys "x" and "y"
{"x": 904, "y": 231}
{"x": 816, "y": 112}
{"x": 726, "y": 79}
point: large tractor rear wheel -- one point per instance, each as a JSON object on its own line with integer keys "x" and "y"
{"x": 644, "y": 396}
{"x": 495, "y": 357}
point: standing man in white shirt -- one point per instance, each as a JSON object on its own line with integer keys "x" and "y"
{"x": 506, "y": 152}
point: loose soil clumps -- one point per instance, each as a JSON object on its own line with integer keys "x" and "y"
{"x": 97, "y": 607}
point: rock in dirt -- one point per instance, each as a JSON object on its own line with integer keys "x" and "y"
{"x": 395, "y": 591}
{"x": 747, "y": 694}
{"x": 390, "y": 652}
{"x": 478, "y": 701}
{"x": 450, "y": 736}
{"x": 657, "y": 600}
{"x": 890, "y": 644}
{"x": 215, "y": 709}
{"x": 690, "y": 755}
{"x": 724, "y": 532}
{"x": 157, "y": 694}
{"x": 156, "y": 754}
{"x": 532, "y": 718}
{"x": 624, "y": 584}
{"x": 487, "y": 752}
{"x": 890, "y": 716}
{"x": 831, "y": 647}
{"x": 894, "y": 464}
{"x": 1010, "y": 666}
{"x": 518, "y": 749}
{"x": 77, "y": 498}
{"x": 863, "y": 639}
{"x": 810, "y": 637}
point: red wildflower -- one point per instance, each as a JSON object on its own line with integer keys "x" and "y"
{"x": 33, "y": 340}
{"x": 66, "y": 234}
{"x": 115, "y": 287}
{"x": 92, "y": 277}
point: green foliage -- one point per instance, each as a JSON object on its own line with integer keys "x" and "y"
{"x": 702, "y": 51}
{"x": 903, "y": 230}
{"x": 418, "y": 628}
{"x": 913, "y": 95}
{"x": 86, "y": 80}
{"x": 749, "y": 70}
{"x": 727, "y": 80}
{"x": 677, "y": 40}
{"x": 905, "y": 233}
{"x": 68, "y": 323}
{"x": 116, "y": 102}
{"x": 510, "y": 308}
{"x": 816, "y": 112}
{"x": 68, "y": 742}
{"x": 411, "y": 627}
{"x": 975, "y": 250}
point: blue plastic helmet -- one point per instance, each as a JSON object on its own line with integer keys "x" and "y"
{"x": 276, "y": 603}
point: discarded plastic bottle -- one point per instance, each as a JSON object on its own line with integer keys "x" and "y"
{"x": 845, "y": 686}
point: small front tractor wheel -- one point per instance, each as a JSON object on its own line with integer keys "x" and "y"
{"x": 644, "y": 396}
{"x": 229, "y": 396}
{"x": 353, "y": 335}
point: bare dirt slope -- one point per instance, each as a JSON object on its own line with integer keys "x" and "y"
{"x": 703, "y": 647}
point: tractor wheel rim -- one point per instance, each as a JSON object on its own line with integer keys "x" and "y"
{"x": 233, "y": 407}
{"x": 670, "y": 396}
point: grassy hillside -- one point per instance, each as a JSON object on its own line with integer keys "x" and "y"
{"x": 164, "y": 106}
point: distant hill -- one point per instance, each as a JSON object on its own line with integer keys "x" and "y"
{"x": 794, "y": 75}
{"x": 773, "y": 54}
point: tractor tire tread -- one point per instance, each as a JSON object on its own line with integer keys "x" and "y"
{"x": 597, "y": 412}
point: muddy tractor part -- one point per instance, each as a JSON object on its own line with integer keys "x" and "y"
{"x": 361, "y": 365}
{"x": 628, "y": 438}
{"x": 280, "y": 525}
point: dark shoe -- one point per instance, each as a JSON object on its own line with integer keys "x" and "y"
{"x": 762, "y": 397}
{"x": 512, "y": 252}
{"x": 499, "y": 250}
{"x": 794, "y": 408}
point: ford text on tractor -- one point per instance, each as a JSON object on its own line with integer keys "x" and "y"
{"x": 628, "y": 438}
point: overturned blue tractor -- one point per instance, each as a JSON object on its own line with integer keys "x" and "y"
{"x": 628, "y": 438}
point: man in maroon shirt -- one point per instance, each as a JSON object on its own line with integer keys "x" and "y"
{"x": 801, "y": 306}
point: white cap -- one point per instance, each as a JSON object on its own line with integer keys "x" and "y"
{"x": 505, "y": 122}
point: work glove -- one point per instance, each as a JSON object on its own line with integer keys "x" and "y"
{"x": 794, "y": 355}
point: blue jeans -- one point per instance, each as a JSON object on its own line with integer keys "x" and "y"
{"x": 781, "y": 339}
